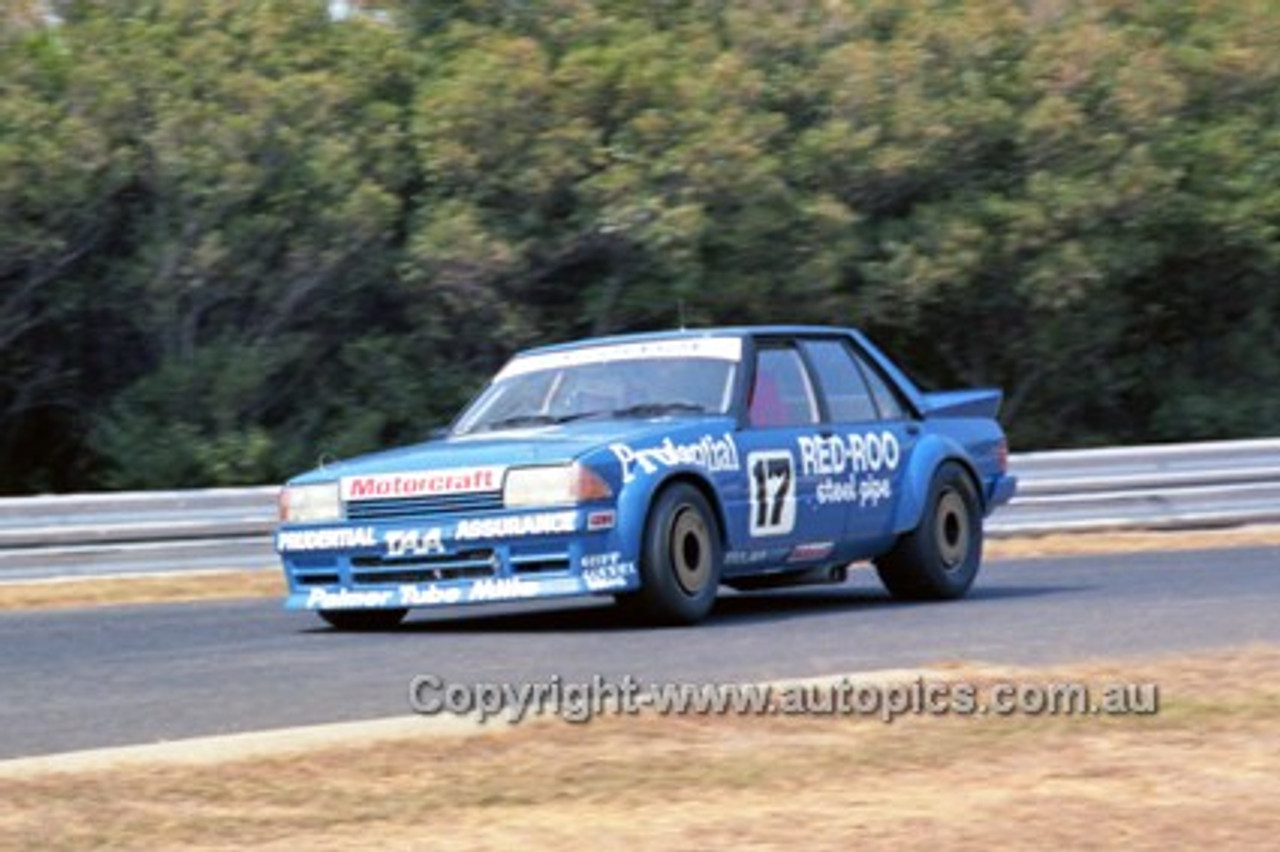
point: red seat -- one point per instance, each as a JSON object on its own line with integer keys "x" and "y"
{"x": 767, "y": 407}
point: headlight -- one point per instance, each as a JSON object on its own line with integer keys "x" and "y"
{"x": 310, "y": 503}
{"x": 553, "y": 485}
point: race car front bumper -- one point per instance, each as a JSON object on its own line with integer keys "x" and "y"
{"x": 503, "y": 557}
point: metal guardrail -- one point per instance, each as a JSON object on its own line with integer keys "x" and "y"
{"x": 1162, "y": 486}
{"x": 136, "y": 532}
{"x": 1171, "y": 486}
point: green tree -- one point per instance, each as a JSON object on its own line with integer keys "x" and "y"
{"x": 234, "y": 237}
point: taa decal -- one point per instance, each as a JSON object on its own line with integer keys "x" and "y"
{"x": 773, "y": 492}
{"x": 428, "y": 542}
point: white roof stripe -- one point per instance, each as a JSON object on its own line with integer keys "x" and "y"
{"x": 716, "y": 348}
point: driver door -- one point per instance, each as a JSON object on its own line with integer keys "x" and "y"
{"x": 782, "y": 515}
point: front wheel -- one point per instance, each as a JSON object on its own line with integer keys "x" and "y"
{"x": 939, "y": 559}
{"x": 363, "y": 619}
{"x": 680, "y": 561}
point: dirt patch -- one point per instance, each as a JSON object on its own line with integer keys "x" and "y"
{"x": 1204, "y": 771}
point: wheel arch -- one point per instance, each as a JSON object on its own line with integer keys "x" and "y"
{"x": 930, "y": 455}
{"x": 664, "y": 596}
{"x": 704, "y": 487}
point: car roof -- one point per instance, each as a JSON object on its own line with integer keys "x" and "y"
{"x": 694, "y": 333}
{"x": 886, "y": 364}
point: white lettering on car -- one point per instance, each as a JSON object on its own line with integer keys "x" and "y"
{"x": 604, "y": 571}
{"x": 773, "y": 492}
{"x": 319, "y": 598}
{"x": 428, "y": 542}
{"x": 512, "y": 526}
{"x": 855, "y": 468}
{"x": 411, "y": 595}
{"x": 709, "y": 453}
{"x": 506, "y": 588}
{"x": 598, "y": 583}
{"x": 332, "y": 538}
{"x": 836, "y": 455}
{"x": 745, "y": 557}
{"x": 716, "y": 348}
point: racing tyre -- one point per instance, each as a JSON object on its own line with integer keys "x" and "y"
{"x": 680, "y": 562}
{"x": 363, "y": 619}
{"x": 939, "y": 559}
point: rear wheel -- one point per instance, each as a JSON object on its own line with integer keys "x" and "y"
{"x": 363, "y": 619}
{"x": 681, "y": 560}
{"x": 939, "y": 559}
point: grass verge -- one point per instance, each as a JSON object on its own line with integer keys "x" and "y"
{"x": 167, "y": 588}
{"x": 227, "y": 585}
{"x": 1204, "y": 771}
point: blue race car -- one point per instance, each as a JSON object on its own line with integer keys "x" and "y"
{"x": 656, "y": 468}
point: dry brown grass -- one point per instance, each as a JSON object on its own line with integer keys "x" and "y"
{"x": 1089, "y": 544}
{"x": 269, "y": 583}
{"x": 1203, "y": 772}
{"x": 169, "y": 588}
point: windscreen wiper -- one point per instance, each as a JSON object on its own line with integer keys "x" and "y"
{"x": 537, "y": 420}
{"x": 656, "y": 409}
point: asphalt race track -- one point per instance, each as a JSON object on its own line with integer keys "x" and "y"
{"x": 102, "y": 677}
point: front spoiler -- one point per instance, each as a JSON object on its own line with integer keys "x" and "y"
{"x": 455, "y": 593}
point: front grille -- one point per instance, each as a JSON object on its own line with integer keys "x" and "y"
{"x": 468, "y": 564}
{"x": 316, "y": 579}
{"x": 413, "y": 507}
{"x": 424, "y": 575}
{"x": 311, "y": 562}
{"x": 550, "y": 563}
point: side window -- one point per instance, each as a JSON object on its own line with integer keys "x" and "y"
{"x": 781, "y": 395}
{"x": 886, "y": 400}
{"x": 848, "y": 398}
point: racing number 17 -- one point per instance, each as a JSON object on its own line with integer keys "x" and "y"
{"x": 772, "y": 500}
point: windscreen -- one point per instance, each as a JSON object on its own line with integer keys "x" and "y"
{"x": 630, "y": 380}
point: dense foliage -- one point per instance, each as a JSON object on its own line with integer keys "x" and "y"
{"x": 237, "y": 236}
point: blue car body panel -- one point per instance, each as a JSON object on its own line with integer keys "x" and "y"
{"x": 427, "y": 525}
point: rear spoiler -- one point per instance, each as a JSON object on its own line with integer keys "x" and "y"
{"x": 982, "y": 402}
